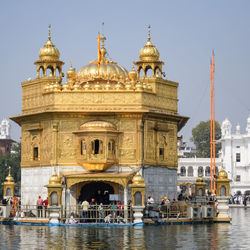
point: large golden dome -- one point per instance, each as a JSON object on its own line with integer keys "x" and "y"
{"x": 104, "y": 69}
{"x": 107, "y": 71}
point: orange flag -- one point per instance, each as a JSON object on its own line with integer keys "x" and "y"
{"x": 99, "y": 51}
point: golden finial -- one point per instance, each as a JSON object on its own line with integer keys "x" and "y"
{"x": 49, "y": 37}
{"x": 9, "y": 170}
{"x": 70, "y": 61}
{"x": 149, "y": 27}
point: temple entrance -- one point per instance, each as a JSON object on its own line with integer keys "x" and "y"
{"x": 100, "y": 191}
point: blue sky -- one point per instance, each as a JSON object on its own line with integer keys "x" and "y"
{"x": 185, "y": 33}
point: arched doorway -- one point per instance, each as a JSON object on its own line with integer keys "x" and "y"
{"x": 98, "y": 190}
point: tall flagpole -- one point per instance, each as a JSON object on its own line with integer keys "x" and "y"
{"x": 211, "y": 127}
{"x": 213, "y": 69}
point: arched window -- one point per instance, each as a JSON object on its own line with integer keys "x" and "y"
{"x": 190, "y": 171}
{"x": 57, "y": 72}
{"x": 149, "y": 71}
{"x": 222, "y": 191}
{"x": 200, "y": 192}
{"x": 138, "y": 199}
{"x": 41, "y": 71}
{"x": 83, "y": 147}
{"x": 207, "y": 171}
{"x": 54, "y": 199}
{"x": 97, "y": 147}
{"x": 50, "y": 71}
{"x": 183, "y": 171}
{"x": 140, "y": 72}
{"x": 111, "y": 146}
{"x": 200, "y": 171}
{"x": 8, "y": 192}
{"x": 157, "y": 72}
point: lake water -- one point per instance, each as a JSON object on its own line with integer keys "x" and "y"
{"x": 208, "y": 236}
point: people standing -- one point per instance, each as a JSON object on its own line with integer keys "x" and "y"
{"x": 101, "y": 212}
{"x": 150, "y": 200}
{"x": 93, "y": 209}
{"x": 150, "y": 205}
{"x": 245, "y": 201}
{"x": 85, "y": 207}
{"x": 39, "y": 204}
{"x": 45, "y": 205}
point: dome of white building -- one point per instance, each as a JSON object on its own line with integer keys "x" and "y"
{"x": 226, "y": 127}
{"x": 238, "y": 129}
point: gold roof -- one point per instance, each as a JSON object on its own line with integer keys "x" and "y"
{"x": 200, "y": 179}
{"x": 49, "y": 51}
{"x": 9, "y": 178}
{"x": 104, "y": 69}
{"x": 222, "y": 174}
{"x": 137, "y": 179}
{"x": 55, "y": 179}
{"x": 149, "y": 52}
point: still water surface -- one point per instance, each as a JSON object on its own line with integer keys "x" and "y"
{"x": 215, "y": 236}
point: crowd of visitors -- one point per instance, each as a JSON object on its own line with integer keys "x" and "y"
{"x": 97, "y": 212}
{"x": 239, "y": 199}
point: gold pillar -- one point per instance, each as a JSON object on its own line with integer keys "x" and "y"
{"x": 55, "y": 188}
{"x": 138, "y": 188}
{"x": 9, "y": 186}
{"x": 222, "y": 183}
{"x": 200, "y": 187}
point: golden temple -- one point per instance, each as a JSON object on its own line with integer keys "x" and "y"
{"x": 101, "y": 126}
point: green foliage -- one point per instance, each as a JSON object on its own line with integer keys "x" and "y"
{"x": 13, "y": 160}
{"x": 201, "y": 138}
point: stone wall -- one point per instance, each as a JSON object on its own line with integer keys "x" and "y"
{"x": 161, "y": 182}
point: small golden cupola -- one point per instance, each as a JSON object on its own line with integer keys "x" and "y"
{"x": 222, "y": 183}
{"x": 9, "y": 185}
{"x": 138, "y": 190}
{"x": 222, "y": 174}
{"x": 149, "y": 60}
{"x": 49, "y": 64}
{"x": 54, "y": 190}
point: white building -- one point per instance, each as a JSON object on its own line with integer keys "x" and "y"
{"x": 190, "y": 168}
{"x": 5, "y": 129}
{"x": 235, "y": 152}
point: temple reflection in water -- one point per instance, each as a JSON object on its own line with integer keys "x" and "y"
{"x": 98, "y": 128}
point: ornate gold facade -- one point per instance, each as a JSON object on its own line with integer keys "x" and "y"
{"x": 52, "y": 112}
{"x": 103, "y": 116}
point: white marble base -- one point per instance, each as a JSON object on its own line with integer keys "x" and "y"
{"x": 223, "y": 206}
{"x": 33, "y": 181}
{"x": 137, "y": 213}
{"x": 54, "y": 214}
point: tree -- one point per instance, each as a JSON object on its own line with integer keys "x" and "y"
{"x": 201, "y": 138}
{"x": 10, "y": 160}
